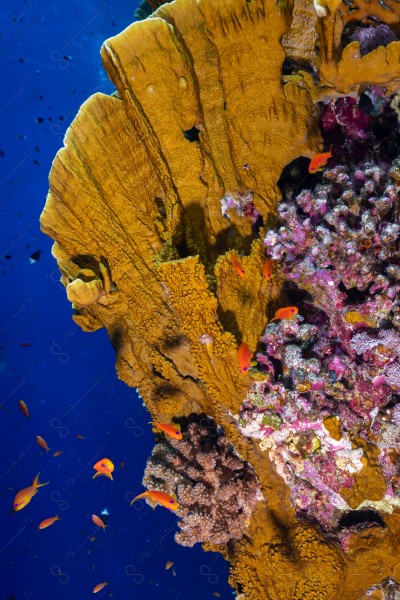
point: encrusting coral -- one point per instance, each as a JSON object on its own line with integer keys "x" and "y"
{"x": 216, "y": 490}
{"x": 159, "y": 204}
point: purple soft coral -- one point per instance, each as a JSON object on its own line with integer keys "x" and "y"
{"x": 371, "y": 38}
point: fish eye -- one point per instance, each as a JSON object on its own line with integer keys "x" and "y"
{"x": 171, "y": 501}
{"x": 102, "y": 465}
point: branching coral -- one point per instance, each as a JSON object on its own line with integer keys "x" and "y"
{"x": 216, "y": 490}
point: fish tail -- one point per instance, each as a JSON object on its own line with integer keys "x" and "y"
{"x": 109, "y": 476}
{"x": 96, "y": 475}
{"x": 36, "y": 483}
{"x": 139, "y": 497}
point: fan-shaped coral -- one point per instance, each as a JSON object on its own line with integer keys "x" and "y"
{"x": 158, "y": 204}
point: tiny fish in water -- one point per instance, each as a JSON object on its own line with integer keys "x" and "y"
{"x": 162, "y": 498}
{"x": 25, "y": 496}
{"x": 318, "y": 161}
{"x": 99, "y": 522}
{"x": 244, "y": 355}
{"x": 104, "y": 467}
{"x": 25, "y": 345}
{"x": 99, "y": 587}
{"x": 42, "y": 443}
{"x": 168, "y": 564}
{"x": 237, "y": 266}
{"x": 58, "y": 453}
{"x": 173, "y": 430}
{"x": 288, "y": 312}
{"x": 267, "y": 271}
{"x": 24, "y": 409}
{"x": 79, "y": 436}
{"x": 48, "y": 522}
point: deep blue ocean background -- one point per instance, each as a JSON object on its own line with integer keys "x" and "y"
{"x": 50, "y": 64}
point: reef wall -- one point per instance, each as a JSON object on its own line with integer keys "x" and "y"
{"x": 162, "y": 205}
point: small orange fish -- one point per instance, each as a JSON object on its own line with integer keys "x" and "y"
{"x": 237, "y": 266}
{"x": 58, "y": 453}
{"x": 42, "y": 443}
{"x": 24, "y": 409}
{"x": 104, "y": 467}
{"x": 161, "y": 497}
{"x": 48, "y": 522}
{"x": 168, "y": 564}
{"x": 79, "y": 436}
{"x": 99, "y": 587}
{"x": 173, "y": 430}
{"x": 267, "y": 271}
{"x": 319, "y": 160}
{"x": 289, "y": 312}
{"x": 25, "y": 496}
{"x": 99, "y": 522}
{"x": 244, "y": 355}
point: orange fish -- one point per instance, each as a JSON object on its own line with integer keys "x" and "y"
{"x": 318, "y": 161}
{"x": 244, "y": 355}
{"x": 169, "y": 564}
{"x": 99, "y": 522}
{"x": 104, "y": 467}
{"x": 58, "y": 453}
{"x": 48, "y": 522}
{"x": 267, "y": 271}
{"x": 173, "y": 430}
{"x": 42, "y": 443}
{"x": 79, "y": 436}
{"x": 289, "y": 312}
{"x": 237, "y": 266}
{"x": 99, "y": 587}
{"x": 24, "y": 409}
{"x": 25, "y": 496}
{"x": 161, "y": 497}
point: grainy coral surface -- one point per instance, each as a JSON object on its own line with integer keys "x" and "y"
{"x": 159, "y": 203}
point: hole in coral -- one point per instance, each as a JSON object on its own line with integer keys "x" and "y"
{"x": 360, "y": 517}
{"x": 354, "y": 295}
{"x": 295, "y": 177}
{"x": 287, "y": 66}
{"x": 192, "y": 134}
{"x": 160, "y": 206}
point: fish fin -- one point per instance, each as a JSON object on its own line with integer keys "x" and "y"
{"x": 97, "y": 475}
{"x": 139, "y": 497}
{"x": 109, "y": 476}
{"x": 36, "y": 483}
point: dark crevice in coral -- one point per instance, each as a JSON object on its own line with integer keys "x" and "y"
{"x": 192, "y": 134}
{"x": 360, "y": 517}
{"x": 295, "y": 177}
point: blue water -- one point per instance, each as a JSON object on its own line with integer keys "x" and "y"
{"x": 50, "y": 64}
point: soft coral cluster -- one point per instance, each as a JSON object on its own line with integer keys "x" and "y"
{"x": 216, "y": 490}
{"x": 339, "y": 248}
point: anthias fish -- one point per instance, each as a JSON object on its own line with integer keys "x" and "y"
{"x": 318, "y": 161}
{"x": 25, "y": 496}
{"x": 162, "y": 498}
{"x": 171, "y": 429}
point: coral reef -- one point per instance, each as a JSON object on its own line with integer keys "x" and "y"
{"x": 341, "y": 360}
{"x": 158, "y": 206}
{"x": 216, "y": 490}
